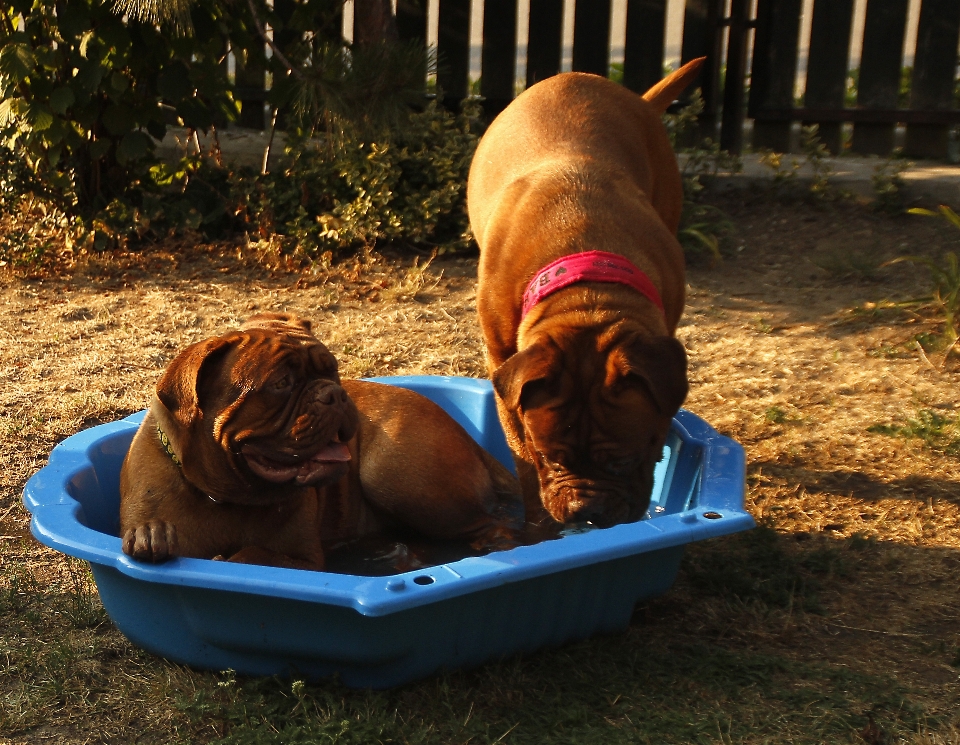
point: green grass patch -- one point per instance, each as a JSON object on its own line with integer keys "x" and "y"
{"x": 775, "y": 415}
{"x": 842, "y": 262}
{"x": 664, "y": 680}
{"x": 759, "y": 567}
{"x": 937, "y": 431}
{"x": 621, "y": 689}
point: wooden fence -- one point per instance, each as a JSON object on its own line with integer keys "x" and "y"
{"x": 751, "y": 45}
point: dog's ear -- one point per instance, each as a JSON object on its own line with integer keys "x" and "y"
{"x": 178, "y": 389}
{"x": 660, "y": 365}
{"x": 324, "y": 361}
{"x": 533, "y": 364}
{"x": 661, "y": 95}
{"x": 289, "y": 322}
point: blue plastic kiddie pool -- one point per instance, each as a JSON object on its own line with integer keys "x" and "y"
{"x": 383, "y": 631}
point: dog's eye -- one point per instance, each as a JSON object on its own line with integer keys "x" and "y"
{"x": 282, "y": 384}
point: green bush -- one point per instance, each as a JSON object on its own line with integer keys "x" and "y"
{"x": 85, "y": 95}
{"x": 408, "y": 189}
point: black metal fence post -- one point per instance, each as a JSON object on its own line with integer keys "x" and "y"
{"x": 703, "y": 37}
{"x": 774, "y": 70}
{"x": 934, "y": 75}
{"x": 731, "y": 126}
{"x": 412, "y": 20}
{"x": 545, "y": 41}
{"x": 591, "y": 36}
{"x": 878, "y": 86}
{"x": 453, "y": 51}
{"x": 643, "y": 50}
{"x": 498, "y": 65}
{"x": 827, "y": 65}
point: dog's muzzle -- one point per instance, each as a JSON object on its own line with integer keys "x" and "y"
{"x": 314, "y": 448}
{"x": 319, "y": 407}
{"x": 602, "y": 503}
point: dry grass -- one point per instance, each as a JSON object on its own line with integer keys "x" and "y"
{"x": 839, "y": 621}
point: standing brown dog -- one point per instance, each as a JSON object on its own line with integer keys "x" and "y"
{"x": 254, "y": 451}
{"x": 576, "y": 180}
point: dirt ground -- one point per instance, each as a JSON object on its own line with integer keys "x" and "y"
{"x": 800, "y": 344}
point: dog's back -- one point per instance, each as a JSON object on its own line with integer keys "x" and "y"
{"x": 570, "y": 122}
{"x": 576, "y": 163}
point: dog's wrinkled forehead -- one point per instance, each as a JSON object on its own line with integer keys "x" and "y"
{"x": 286, "y": 323}
{"x": 261, "y": 354}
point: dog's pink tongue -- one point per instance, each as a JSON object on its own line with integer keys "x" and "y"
{"x": 324, "y": 464}
{"x": 335, "y": 452}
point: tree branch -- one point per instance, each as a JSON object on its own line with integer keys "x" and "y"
{"x": 295, "y": 71}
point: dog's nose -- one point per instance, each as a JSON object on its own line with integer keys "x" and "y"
{"x": 331, "y": 395}
{"x": 584, "y": 511}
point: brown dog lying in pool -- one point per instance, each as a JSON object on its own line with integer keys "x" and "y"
{"x": 253, "y": 450}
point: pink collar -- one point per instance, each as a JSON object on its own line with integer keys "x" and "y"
{"x": 590, "y": 266}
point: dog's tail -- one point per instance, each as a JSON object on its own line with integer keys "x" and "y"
{"x": 661, "y": 95}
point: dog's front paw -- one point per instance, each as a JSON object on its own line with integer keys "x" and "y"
{"x": 154, "y": 541}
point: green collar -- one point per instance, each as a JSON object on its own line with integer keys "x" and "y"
{"x": 168, "y": 448}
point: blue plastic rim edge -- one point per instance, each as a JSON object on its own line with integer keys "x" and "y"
{"x": 58, "y": 522}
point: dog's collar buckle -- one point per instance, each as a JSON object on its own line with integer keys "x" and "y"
{"x": 167, "y": 447}
{"x": 589, "y": 266}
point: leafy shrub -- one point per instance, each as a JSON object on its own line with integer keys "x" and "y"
{"x": 887, "y": 182}
{"x": 409, "y": 189}
{"x": 946, "y": 277}
{"x": 16, "y": 180}
{"x": 84, "y": 95}
{"x": 786, "y": 169}
{"x": 702, "y": 226}
{"x": 191, "y": 194}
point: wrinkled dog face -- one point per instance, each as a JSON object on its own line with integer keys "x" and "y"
{"x": 595, "y": 410}
{"x": 265, "y": 405}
